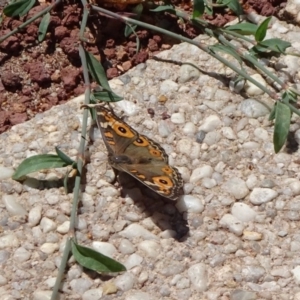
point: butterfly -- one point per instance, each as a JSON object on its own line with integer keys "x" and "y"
{"x": 137, "y": 155}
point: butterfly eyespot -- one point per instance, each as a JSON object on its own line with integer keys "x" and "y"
{"x": 122, "y": 129}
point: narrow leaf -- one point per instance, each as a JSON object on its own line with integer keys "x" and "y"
{"x": 43, "y": 27}
{"x": 107, "y": 96}
{"x": 37, "y": 163}
{"x": 271, "y": 46}
{"x": 97, "y": 71}
{"x": 236, "y": 7}
{"x": 282, "y": 125}
{"x": 262, "y": 30}
{"x": 19, "y": 8}
{"x": 137, "y": 10}
{"x": 64, "y": 157}
{"x": 94, "y": 260}
{"x": 167, "y": 7}
{"x": 219, "y": 47}
{"x": 198, "y": 9}
{"x": 243, "y": 28}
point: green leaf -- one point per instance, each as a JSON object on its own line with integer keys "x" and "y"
{"x": 262, "y": 30}
{"x": 243, "y": 28}
{"x": 236, "y": 7}
{"x": 43, "y": 27}
{"x": 282, "y": 125}
{"x": 94, "y": 260}
{"x": 271, "y": 46}
{"x": 19, "y": 8}
{"x": 208, "y": 10}
{"x": 137, "y": 10}
{"x": 97, "y": 71}
{"x": 64, "y": 157}
{"x": 106, "y": 96}
{"x": 219, "y": 47}
{"x": 167, "y": 7}
{"x": 37, "y": 163}
{"x": 272, "y": 113}
{"x": 198, "y": 9}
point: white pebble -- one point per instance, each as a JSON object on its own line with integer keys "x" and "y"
{"x": 168, "y": 86}
{"x": 243, "y": 212}
{"x": 189, "y": 128}
{"x": 252, "y": 235}
{"x": 188, "y": 72}
{"x": 184, "y": 146}
{"x": 105, "y": 248}
{"x": 139, "y": 295}
{"x": 189, "y": 203}
{"x": 150, "y": 247}
{"x": 262, "y": 195}
{"x": 232, "y": 223}
{"x": 129, "y": 107}
{"x": 236, "y": 187}
{"x": 228, "y": 133}
{"x": 135, "y": 231}
{"x": 296, "y": 274}
{"x": 251, "y": 181}
{"x": 5, "y": 172}
{"x": 49, "y": 248}
{"x": 64, "y": 227}
{"x": 47, "y": 225}
{"x": 12, "y": 206}
{"x": 178, "y": 118}
{"x": 132, "y": 261}
{"x": 3, "y": 280}
{"x": 21, "y": 255}
{"x": 92, "y": 294}
{"x": 209, "y": 183}
{"x": 253, "y": 90}
{"x": 253, "y": 108}
{"x": 212, "y": 138}
{"x": 8, "y": 240}
{"x": 125, "y": 281}
{"x": 199, "y": 173}
{"x": 211, "y": 123}
{"x": 80, "y": 285}
{"x": 261, "y": 133}
{"x": 42, "y": 295}
{"x": 35, "y": 215}
{"x": 295, "y": 187}
{"x": 198, "y": 277}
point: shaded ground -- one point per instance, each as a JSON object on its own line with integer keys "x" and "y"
{"x": 35, "y": 76}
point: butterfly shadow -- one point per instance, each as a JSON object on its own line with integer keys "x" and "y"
{"x": 162, "y": 211}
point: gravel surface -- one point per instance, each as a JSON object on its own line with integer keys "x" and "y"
{"x": 233, "y": 235}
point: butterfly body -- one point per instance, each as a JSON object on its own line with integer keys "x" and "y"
{"x": 138, "y": 155}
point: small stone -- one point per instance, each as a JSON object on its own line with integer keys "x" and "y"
{"x": 9, "y": 240}
{"x": 211, "y": 123}
{"x": 104, "y": 248}
{"x": 252, "y": 236}
{"x": 178, "y": 118}
{"x": 81, "y": 285}
{"x": 5, "y": 172}
{"x": 228, "y": 133}
{"x": 253, "y": 108}
{"x": 188, "y": 72}
{"x": 12, "y": 206}
{"x": 252, "y": 89}
{"x": 92, "y": 294}
{"x": 150, "y": 247}
{"x": 296, "y": 274}
{"x": 42, "y": 295}
{"x": 232, "y": 223}
{"x": 168, "y": 86}
{"x": 201, "y": 172}
{"x": 198, "y": 277}
{"x": 125, "y": 281}
{"x": 109, "y": 288}
{"x": 136, "y": 231}
{"x": 3, "y": 280}
{"x": 189, "y": 203}
{"x": 64, "y": 227}
{"x": 132, "y": 261}
{"x": 21, "y": 255}
{"x": 243, "y": 212}
{"x": 262, "y": 195}
{"x": 47, "y": 225}
{"x": 49, "y": 248}
{"x": 188, "y": 129}
{"x": 35, "y": 215}
{"x": 236, "y": 187}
